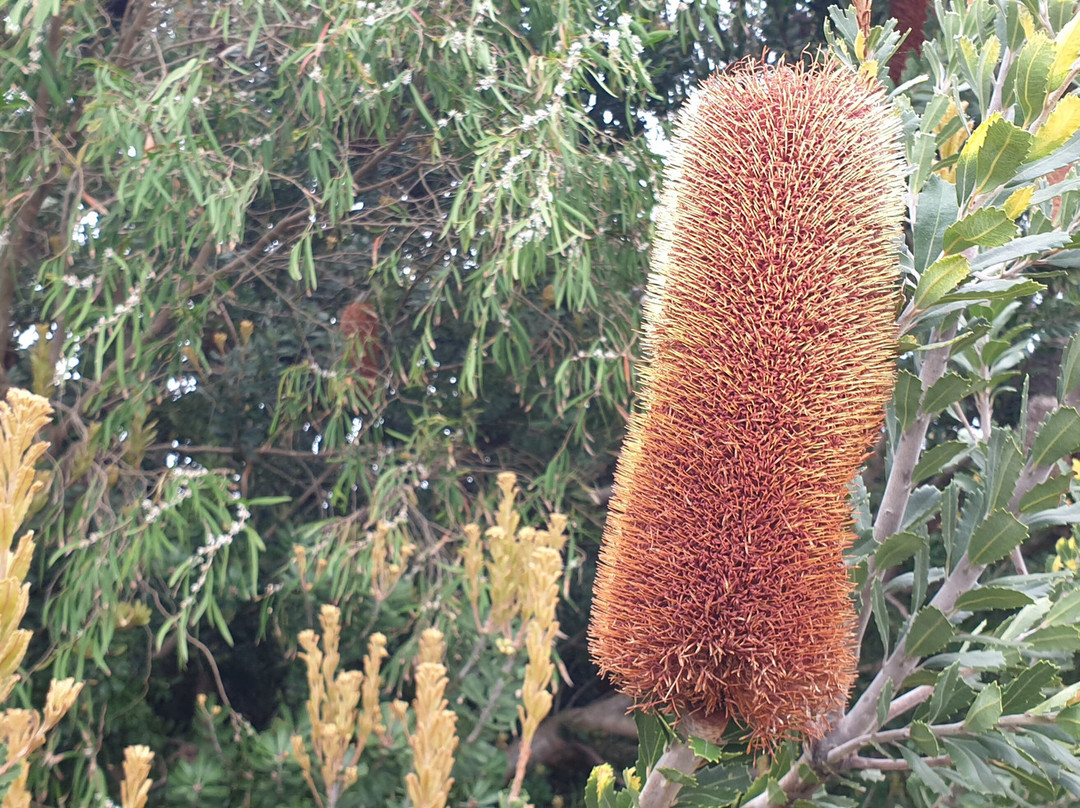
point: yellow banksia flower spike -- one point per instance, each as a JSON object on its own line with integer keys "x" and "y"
{"x": 343, "y": 707}
{"x": 136, "y": 786}
{"x": 22, "y": 731}
{"x": 722, "y": 592}
{"x": 434, "y": 739}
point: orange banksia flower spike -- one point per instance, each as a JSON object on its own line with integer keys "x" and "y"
{"x": 722, "y": 591}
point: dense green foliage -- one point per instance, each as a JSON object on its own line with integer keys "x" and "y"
{"x": 287, "y": 270}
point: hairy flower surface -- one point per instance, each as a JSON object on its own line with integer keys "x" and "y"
{"x": 722, "y": 591}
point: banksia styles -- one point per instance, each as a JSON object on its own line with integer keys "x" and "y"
{"x": 722, "y": 592}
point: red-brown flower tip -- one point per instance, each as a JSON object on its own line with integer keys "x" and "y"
{"x": 722, "y": 591}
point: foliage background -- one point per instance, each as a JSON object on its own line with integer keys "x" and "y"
{"x": 287, "y": 270}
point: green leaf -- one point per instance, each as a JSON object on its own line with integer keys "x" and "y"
{"x": 991, "y": 597}
{"x": 947, "y": 390}
{"x": 990, "y": 157}
{"x": 937, "y": 458}
{"x": 1065, "y": 611}
{"x": 906, "y": 397}
{"x": 1067, "y": 51}
{"x": 654, "y": 735}
{"x": 885, "y": 700}
{"x": 1062, "y": 123}
{"x": 1029, "y": 73}
{"x": 995, "y": 538}
{"x": 881, "y": 613}
{"x": 706, "y": 750}
{"x": 1055, "y": 640}
{"x": 985, "y": 710}
{"x": 1045, "y": 495}
{"x": 1004, "y": 464}
{"x": 1069, "y": 377}
{"x": 944, "y": 688}
{"x": 600, "y": 788}
{"x": 924, "y": 739}
{"x": 930, "y": 632}
{"x": 925, "y": 773}
{"x": 676, "y": 776}
{"x": 897, "y": 549}
{"x": 996, "y": 290}
{"x": 967, "y": 756}
{"x": 1025, "y": 691}
{"x": 939, "y": 279}
{"x": 937, "y": 210}
{"x": 1058, "y": 436}
{"x": 1069, "y": 720}
{"x": 986, "y": 227}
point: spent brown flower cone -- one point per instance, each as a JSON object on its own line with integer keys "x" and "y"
{"x": 722, "y": 591}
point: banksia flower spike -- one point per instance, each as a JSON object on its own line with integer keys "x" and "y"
{"x": 722, "y": 591}
{"x": 136, "y": 786}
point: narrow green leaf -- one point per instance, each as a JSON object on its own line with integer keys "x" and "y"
{"x": 937, "y": 458}
{"x": 995, "y": 538}
{"x": 881, "y": 613}
{"x": 1058, "y": 436}
{"x": 1004, "y": 464}
{"x": 1028, "y": 75}
{"x": 925, "y": 773}
{"x": 944, "y": 688}
{"x": 985, "y": 710}
{"x": 990, "y": 157}
{"x": 924, "y": 739}
{"x": 1065, "y": 612}
{"x": 1069, "y": 377}
{"x": 991, "y": 597}
{"x": 930, "y": 632}
{"x": 654, "y": 735}
{"x": 676, "y": 776}
{"x": 1025, "y": 691}
{"x": 937, "y": 210}
{"x": 939, "y": 279}
{"x": 986, "y": 227}
{"x": 897, "y": 549}
{"x": 906, "y": 397}
{"x": 1069, "y": 720}
{"x": 884, "y": 700}
{"x": 1055, "y": 640}
{"x": 600, "y": 788}
{"x": 947, "y": 390}
{"x": 1045, "y": 495}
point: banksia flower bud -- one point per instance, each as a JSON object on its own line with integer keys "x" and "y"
{"x": 722, "y": 591}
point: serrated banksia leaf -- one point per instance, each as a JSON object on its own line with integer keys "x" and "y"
{"x": 722, "y": 591}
